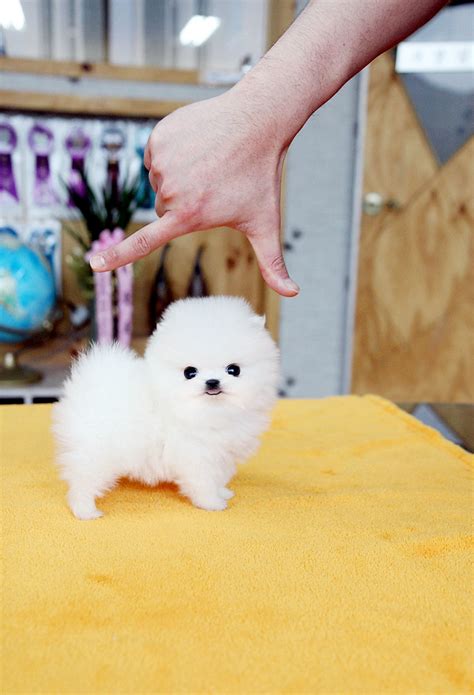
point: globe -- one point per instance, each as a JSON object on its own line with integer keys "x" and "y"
{"x": 27, "y": 292}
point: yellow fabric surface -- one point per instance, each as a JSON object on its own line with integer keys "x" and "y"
{"x": 342, "y": 566}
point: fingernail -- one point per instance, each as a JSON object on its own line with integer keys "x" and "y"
{"x": 97, "y": 262}
{"x": 292, "y": 286}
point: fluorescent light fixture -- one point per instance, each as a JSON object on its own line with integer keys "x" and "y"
{"x": 198, "y": 30}
{"x": 12, "y": 15}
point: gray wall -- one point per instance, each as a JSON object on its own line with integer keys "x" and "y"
{"x": 321, "y": 229}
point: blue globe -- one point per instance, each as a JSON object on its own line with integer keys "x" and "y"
{"x": 27, "y": 292}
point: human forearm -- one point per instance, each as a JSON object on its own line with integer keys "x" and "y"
{"x": 328, "y": 43}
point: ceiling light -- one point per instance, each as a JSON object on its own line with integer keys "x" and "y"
{"x": 12, "y": 15}
{"x": 198, "y": 30}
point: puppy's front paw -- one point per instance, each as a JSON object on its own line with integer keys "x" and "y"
{"x": 215, "y": 504}
{"x": 87, "y": 514}
{"x": 211, "y": 503}
{"x": 205, "y": 496}
{"x": 226, "y": 493}
{"x": 84, "y": 510}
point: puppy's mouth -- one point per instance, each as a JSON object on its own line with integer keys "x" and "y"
{"x": 213, "y": 392}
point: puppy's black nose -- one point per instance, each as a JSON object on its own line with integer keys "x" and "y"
{"x": 212, "y": 383}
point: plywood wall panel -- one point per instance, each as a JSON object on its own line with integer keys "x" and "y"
{"x": 228, "y": 263}
{"x": 414, "y": 328}
{"x": 415, "y": 332}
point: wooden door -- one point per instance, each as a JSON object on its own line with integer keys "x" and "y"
{"x": 414, "y": 327}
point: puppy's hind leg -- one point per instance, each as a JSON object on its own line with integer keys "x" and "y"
{"x": 84, "y": 488}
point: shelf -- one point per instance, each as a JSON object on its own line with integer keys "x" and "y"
{"x": 86, "y": 106}
{"x": 105, "y": 71}
{"x": 54, "y": 360}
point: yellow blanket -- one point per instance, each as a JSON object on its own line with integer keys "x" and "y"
{"x": 341, "y": 566}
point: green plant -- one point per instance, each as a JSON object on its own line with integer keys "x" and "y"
{"x": 111, "y": 207}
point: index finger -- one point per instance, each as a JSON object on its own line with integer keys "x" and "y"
{"x": 139, "y": 244}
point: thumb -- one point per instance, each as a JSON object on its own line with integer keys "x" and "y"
{"x": 267, "y": 247}
{"x": 139, "y": 244}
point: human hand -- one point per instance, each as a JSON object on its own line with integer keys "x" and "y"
{"x": 218, "y": 162}
{"x": 211, "y": 164}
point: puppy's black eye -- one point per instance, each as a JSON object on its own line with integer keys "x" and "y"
{"x": 233, "y": 369}
{"x": 190, "y": 372}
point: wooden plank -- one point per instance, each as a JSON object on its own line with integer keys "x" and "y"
{"x": 394, "y": 140}
{"x": 281, "y": 14}
{"x": 105, "y": 71}
{"x": 271, "y": 309}
{"x": 228, "y": 263}
{"x": 415, "y": 338}
{"x": 86, "y": 105}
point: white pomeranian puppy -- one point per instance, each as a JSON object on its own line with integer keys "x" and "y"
{"x": 187, "y": 412}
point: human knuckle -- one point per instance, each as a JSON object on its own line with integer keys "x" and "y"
{"x": 155, "y": 168}
{"x": 189, "y": 213}
{"x": 247, "y": 229}
{"x": 167, "y": 191}
{"x": 111, "y": 256}
{"x": 142, "y": 244}
{"x": 277, "y": 263}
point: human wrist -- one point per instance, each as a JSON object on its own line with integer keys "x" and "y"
{"x": 287, "y": 86}
{"x": 264, "y": 111}
{"x": 302, "y": 71}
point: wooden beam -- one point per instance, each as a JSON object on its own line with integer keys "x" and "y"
{"x": 281, "y": 14}
{"x": 105, "y": 71}
{"x": 86, "y": 105}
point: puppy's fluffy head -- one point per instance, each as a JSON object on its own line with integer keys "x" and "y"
{"x": 213, "y": 354}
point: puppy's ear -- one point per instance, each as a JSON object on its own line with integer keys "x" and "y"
{"x": 259, "y": 320}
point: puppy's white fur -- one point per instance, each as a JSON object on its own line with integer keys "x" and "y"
{"x": 140, "y": 418}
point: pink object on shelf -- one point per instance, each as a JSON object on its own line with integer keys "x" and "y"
{"x": 104, "y": 295}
